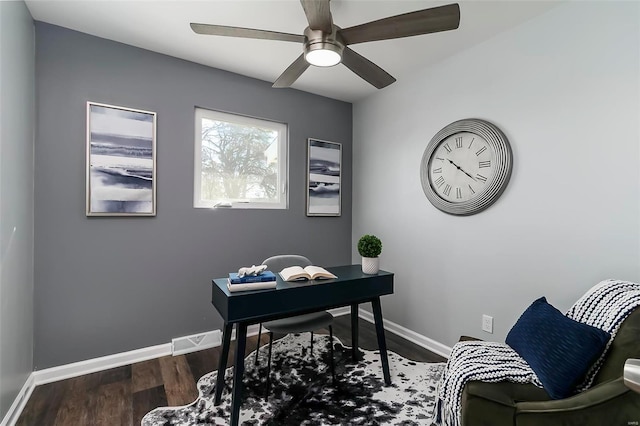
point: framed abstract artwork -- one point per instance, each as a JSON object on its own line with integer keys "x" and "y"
{"x": 121, "y": 161}
{"x": 324, "y": 171}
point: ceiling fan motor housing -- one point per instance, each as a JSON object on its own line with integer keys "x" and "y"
{"x": 328, "y": 45}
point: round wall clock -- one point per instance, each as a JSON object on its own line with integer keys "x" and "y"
{"x": 466, "y": 167}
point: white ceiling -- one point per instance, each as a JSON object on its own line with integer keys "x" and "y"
{"x": 163, "y": 26}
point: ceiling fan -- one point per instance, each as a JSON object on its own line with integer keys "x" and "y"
{"x": 326, "y": 44}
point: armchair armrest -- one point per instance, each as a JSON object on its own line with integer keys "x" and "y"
{"x": 495, "y": 404}
{"x": 609, "y": 403}
{"x": 596, "y": 395}
{"x": 505, "y": 393}
{"x": 506, "y": 403}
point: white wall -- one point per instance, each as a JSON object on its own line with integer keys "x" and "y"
{"x": 17, "y": 115}
{"x": 564, "y": 87}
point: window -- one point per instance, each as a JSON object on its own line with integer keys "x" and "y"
{"x": 240, "y": 162}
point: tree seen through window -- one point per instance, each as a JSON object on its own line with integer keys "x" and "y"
{"x": 238, "y": 162}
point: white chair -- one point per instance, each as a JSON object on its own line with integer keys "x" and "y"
{"x": 297, "y": 324}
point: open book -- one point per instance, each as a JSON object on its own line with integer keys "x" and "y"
{"x": 298, "y": 273}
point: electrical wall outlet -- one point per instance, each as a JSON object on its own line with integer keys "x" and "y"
{"x": 487, "y": 323}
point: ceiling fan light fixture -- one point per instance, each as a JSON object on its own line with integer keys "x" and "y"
{"x": 323, "y": 53}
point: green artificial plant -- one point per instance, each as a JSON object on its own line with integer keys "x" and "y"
{"x": 369, "y": 246}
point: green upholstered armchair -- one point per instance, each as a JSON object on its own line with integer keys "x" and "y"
{"x": 607, "y": 402}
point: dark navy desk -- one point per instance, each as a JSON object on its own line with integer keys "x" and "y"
{"x": 351, "y": 288}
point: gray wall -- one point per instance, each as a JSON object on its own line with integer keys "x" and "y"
{"x": 17, "y": 108}
{"x": 566, "y": 93}
{"x": 107, "y": 285}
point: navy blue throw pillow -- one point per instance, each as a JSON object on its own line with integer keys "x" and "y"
{"x": 558, "y": 349}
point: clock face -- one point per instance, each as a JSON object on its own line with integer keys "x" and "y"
{"x": 461, "y": 166}
{"x": 466, "y": 167}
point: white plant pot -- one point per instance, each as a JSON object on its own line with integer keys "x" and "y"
{"x": 370, "y": 265}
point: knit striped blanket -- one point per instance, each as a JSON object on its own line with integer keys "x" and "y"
{"x": 606, "y": 306}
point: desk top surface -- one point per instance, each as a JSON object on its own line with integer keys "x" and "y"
{"x": 344, "y": 274}
{"x": 297, "y": 297}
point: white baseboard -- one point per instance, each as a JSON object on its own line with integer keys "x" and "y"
{"x": 196, "y": 342}
{"x": 337, "y": 312}
{"x": 81, "y": 368}
{"x": 16, "y": 408}
{"x": 93, "y": 365}
{"x": 410, "y": 335}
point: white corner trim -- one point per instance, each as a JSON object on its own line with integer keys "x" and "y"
{"x": 410, "y": 335}
{"x": 16, "y": 408}
{"x": 80, "y": 368}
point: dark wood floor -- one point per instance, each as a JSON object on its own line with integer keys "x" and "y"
{"x": 123, "y": 395}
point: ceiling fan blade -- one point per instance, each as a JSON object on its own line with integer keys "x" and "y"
{"x": 425, "y": 21}
{"x": 366, "y": 69}
{"x": 291, "y": 74}
{"x": 318, "y": 14}
{"x": 221, "y": 30}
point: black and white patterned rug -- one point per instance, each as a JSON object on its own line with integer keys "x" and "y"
{"x": 302, "y": 393}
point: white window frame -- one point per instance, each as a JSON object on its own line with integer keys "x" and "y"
{"x": 283, "y": 148}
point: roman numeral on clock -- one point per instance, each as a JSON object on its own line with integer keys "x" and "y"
{"x": 447, "y": 147}
{"x": 439, "y": 182}
{"x": 459, "y": 142}
{"x": 481, "y": 150}
{"x": 458, "y": 193}
{"x": 471, "y": 189}
{"x": 438, "y": 170}
{"x": 471, "y": 143}
{"x": 482, "y": 164}
{"x": 481, "y": 178}
{"x": 447, "y": 189}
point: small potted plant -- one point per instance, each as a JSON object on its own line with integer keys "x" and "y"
{"x": 370, "y": 247}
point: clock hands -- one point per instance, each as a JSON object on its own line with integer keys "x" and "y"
{"x": 460, "y": 168}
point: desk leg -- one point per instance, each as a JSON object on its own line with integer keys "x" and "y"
{"x": 382, "y": 343}
{"x": 238, "y": 372}
{"x": 354, "y": 332}
{"x": 222, "y": 362}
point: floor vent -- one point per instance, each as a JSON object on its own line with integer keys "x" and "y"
{"x": 196, "y": 342}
